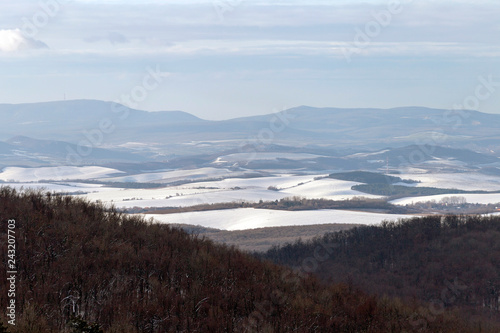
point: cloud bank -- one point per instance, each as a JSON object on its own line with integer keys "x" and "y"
{"x": 251, "y": 57}
{"x": 12, "y": 40}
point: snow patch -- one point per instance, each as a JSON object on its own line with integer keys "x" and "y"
{"x": 250, "y": 218}
{"x": 17, "y": 174}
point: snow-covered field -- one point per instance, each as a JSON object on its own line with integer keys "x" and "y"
{"x": 62, "y": 179}
{"x": 60, "y": 187}
{"x": 186, "y": 200}
{"x": 462, "y": 181}
{"x": 231, "y": 190}
{"x": 471, "y": 198}
{"x": 161, "y": 197}
{"x": 232, "y": 158}
{"x": 16, "y": 174}
{"x": 281, "y": 182}
{"x": 176, "y": 175}
{"x": 249, "y": 218}
{"x": 328, "y": 189}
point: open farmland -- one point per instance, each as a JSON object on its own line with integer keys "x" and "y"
{"x": 17, "y": 174}
{"x": 250, "y": 218}
{"x": 487, "y": 198}
{"x": 213, "y": 186}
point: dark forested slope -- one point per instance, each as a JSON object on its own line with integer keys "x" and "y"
{"x": 452, "y": 262}
{"x": 81, "y": 268}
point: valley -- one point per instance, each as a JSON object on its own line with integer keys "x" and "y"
{"x": 215, "y": 188}
{"x": 260, "y": 166}
{"x": 191, "y": 163}
{"x": 332, "y": 175}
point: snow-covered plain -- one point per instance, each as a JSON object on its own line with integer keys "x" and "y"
{"x": 231, "y": 190}
{"x": 237, "y": 157}
{"x": 60, "y": 187}
{"x": 490, "y": 198}
{"x": 186, "y": 200}
{"x": 281, "y": 182}
{"x": 250, "y": 218}
{"x": 223, "y": 191}
{"x": 331, "y": 189}
{"x": 463, "y": 181}
{"x": 62, "y": 179}
{"x": 16, "y": 174}
{"x": 176, "y": 175}
{"x": 161, "y": 197}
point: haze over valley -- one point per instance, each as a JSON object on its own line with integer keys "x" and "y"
{"x": 249, "y": 166}
{"x": 146, "y": 161}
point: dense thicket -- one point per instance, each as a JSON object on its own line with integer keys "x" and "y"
{"x": 401, "y": 191}
{"x": 451, "y": 262}
{"x": 369, "y": 177}
{"x": 84, "y": 269}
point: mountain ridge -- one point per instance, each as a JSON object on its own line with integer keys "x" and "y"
{"x": 178, "y": 131}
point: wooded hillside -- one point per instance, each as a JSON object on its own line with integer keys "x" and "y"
{"x": 81, "y": 268}
{"x": 453, "y": 262}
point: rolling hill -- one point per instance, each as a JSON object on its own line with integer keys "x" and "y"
{"x": 70, "y": 120}
{"x": 23, "y": 150}
{"x": 83, "y": 267}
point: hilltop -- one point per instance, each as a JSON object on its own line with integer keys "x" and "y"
{"x": 98, "y": 270}
{"x": 108, "y": 124}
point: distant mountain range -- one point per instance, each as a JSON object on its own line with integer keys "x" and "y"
{"x": 49, "y": 132}
{"x": 68, "y": 120}
{"x": 32, "y": 152}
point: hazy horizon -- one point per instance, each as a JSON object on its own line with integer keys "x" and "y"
{"x": 227, "y": 59}
{"x": 256, "y": 114}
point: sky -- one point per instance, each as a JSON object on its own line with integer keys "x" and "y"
{"x": 220, "y": 59}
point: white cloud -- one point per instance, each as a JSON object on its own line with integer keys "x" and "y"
{"x": 12, "y": 40}
{"x": 266, "y": 53}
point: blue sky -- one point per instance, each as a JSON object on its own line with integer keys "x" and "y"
{"x": 228, "y": 58}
